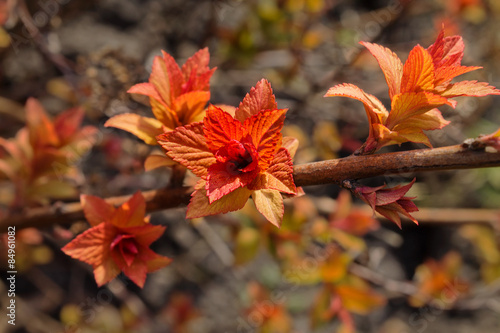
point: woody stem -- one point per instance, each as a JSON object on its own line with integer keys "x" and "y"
{"x": 316, "y": 173}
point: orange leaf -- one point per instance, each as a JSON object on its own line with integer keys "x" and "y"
{"x": 160, "y": 79}
{"x": 196, "y": 72}
{"x": 190, "y": 106}
{"x": 146, "y": 236}
{"x": 438, "y": 280}
{"x": 407, "y": 105}
{"x": 93, "y": 248}
{"x": 41, "y": 129}
{"x": 156, "y": 262}
{"x": 220, "y": 128}
{"x": 279, "y": 176}
{"x": 157, "y": 161}
{"x": 14, "y": 147}
{"x": 200, "y": 206}
{"x": 270, "y": 204}
{"x": 166, "y": 115}
{"x": 470, "y": 88}
{"x": 7, "y": 169}
{"x": 131, "y": 213}
{"x": 144, "y": 128}
{"x": 445, "y": 74}
{"x": 391, "y": 66}
{"x": 259, "y": 98}
{"x": 265, "y": 130}
{"x": 291, "y": 144}
{"x": 146, "y": 89}
{"x": 372, "y": 103}
{"x": 430, "y": 120}
{"x": 187, "y": 146}
{"x": 359, "y": 298}
{"x": 334, "y": 268}
{"x": 95, "y": 209}
{"x": 418, "y": 71}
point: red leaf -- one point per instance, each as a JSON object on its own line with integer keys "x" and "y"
{"x": 491, "y": 140}
{"x": 174, "y": 76}
{"x": 390, "y": 202}
{"x": 160, "y": 79}
{"x": 196, "y": 72}
{"x": 146, "y": 236}
{"x": 447, "y": 51}
{"x": 388, "y": 195}
{"x": 67, "y": 124}
{"x": 259, "y": 98}
{"x": 96, "y": 210}
{"x": 221, "y": 182}
{"x": 136, "y": 272}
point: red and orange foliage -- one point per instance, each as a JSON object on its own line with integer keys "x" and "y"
{"x": 389, "y": 202}
{"x": 43, "y": 153}
{"x": 416, "y": 89}
{"x": 237, "y": 156}
{"x": 438, "y": 282}
{"x": 267, "y": 313}
{"x": 178, "y": 96}
{"x": 118, "y": 240}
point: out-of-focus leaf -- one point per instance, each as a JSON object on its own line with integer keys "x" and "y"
{"x": 358, "y": 297}
{"x": 247, "y": 245}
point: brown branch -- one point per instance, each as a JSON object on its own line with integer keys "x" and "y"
{"x": 358, "y": 167}
{"x": 63, "y": 213}
{"x": 325, "y": 172}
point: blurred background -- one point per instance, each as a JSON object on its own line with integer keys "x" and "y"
{"x": 230, "y": 273}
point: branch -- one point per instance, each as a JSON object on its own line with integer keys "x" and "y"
{"x": 64, "y": 213}
{"x": 358, "y": 167}
{"x": 325, "y": 172}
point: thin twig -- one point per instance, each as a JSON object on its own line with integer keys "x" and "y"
{"x": 399, "y": 287}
